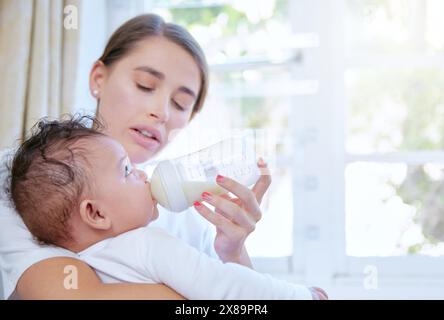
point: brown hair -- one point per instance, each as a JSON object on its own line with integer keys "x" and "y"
{"x": 149, "y": 25}
{"x": 48, "y": 176}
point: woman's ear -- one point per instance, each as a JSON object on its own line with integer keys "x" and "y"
{"x": 97, "y": 76}
{"x": 94, "y": 215}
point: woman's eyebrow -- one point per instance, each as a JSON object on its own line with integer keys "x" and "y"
{"x": 188, "y": 91}
{"x": 152, "y": 71}
{"x": 161, "y": 76}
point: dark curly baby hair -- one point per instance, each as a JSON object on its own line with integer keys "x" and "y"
{"x": 49, "y": 173}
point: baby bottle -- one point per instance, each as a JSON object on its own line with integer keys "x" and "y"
{"x": 176, "y": 184}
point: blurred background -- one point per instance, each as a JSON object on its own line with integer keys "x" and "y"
{"x": 350, "y": 92}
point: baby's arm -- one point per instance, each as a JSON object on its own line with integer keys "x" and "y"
{"x": 197, "y": 276}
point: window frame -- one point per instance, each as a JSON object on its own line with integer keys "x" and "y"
{"x": 393, "y": 269}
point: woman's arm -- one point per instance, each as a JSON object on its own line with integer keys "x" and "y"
{"x": 245, "y": 258}
{"x": 46, "y": 280}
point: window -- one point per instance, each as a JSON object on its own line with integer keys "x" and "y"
{"x": 394, "y": 142}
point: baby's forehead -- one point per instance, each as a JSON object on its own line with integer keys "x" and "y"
{"x": 103, "y": 151}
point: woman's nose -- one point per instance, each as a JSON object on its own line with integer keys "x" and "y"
{"x": 160, "y": 110}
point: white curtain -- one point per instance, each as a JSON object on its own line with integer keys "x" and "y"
{"x": 38, "y": 63}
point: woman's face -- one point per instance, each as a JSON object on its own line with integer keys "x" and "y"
{"x": 146, "y": 95}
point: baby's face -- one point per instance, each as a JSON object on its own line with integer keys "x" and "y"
{"x": 122, "y": 190}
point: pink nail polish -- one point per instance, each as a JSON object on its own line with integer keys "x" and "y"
{"x": 197, "y": 204}
{"x": 261, "y": 163}
{"x": 206, "y": 195}
{"x": 220, "y": 178}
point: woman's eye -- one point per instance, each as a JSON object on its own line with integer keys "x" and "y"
{"x": 128, "y": 170}
{"x": 145, "y": 89}
{"x": 178, "y": 106}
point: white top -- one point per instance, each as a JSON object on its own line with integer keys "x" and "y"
{"x": 18, "y": 250}
{"x": 150, "y": 255}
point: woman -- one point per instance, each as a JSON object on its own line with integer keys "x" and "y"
{"x": 151, "y": 80}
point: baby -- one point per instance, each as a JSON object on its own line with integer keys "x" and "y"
{"x": 75, "y": 187}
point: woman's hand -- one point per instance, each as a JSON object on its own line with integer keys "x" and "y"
{"x": 235, "y": 218}
{"x": 318, "y": 293}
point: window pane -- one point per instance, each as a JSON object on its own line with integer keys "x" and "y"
{"x": 233, "y": 29}
{"x": 394, "y": 26}
{"x": 394, "y": 209}
{"x": 434, "y": 26}
{"x": 395, "y": 110}
{"x": 271, "y": 81}
{"x": 273, "y": 236}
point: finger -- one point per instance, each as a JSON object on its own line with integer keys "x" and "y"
{"x": 230, "y": 198}
{"x": 243, "y": 193}
{"x": 227, "y": 196}
{"x": 322, "y": 291}
{"x": 230, "y": 210}
{"x": 217, "y": 220}
{"x": 264, "y": 181}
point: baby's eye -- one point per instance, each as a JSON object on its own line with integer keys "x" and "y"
{"x": 128, "y": 169}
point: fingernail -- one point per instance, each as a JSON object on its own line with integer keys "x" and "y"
{"x": 206, "y": 195}
{"x": 197, "y": 204}
{"x": 261, "y": 162}
{"x": 220, "y": 178}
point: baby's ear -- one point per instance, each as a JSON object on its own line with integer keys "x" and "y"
{"x": 94, "y": 215}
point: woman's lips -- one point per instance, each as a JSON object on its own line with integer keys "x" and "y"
{"x": 144, "y": 141}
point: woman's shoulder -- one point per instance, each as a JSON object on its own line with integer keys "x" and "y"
{"x": 15, "y": 237}
{"x": 18, "y": 250}
{"x": 6, "y": 154}
{"x": 5, "y": 160}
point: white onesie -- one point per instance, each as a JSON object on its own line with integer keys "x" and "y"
{"x": 150, "y": 255}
